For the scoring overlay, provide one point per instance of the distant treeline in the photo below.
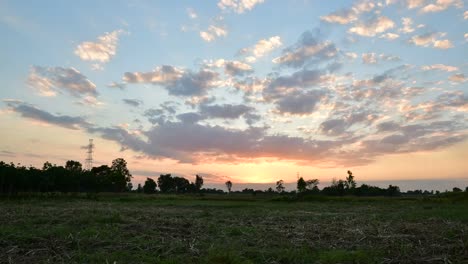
(117, 178)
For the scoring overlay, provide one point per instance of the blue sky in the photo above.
(264, 88)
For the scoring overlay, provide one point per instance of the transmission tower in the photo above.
(89, 159)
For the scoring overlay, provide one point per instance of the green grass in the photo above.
(133, 228)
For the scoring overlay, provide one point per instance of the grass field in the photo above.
(232, 229)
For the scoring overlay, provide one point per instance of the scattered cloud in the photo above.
(372, 27)
(31, 112)
(431, 39)
(238, 6)
(407, 25)
(213, 32)
(309, 49)
(373, 58)
(441, 67)
(389, 36)
(262, 48)
(232, 68)
(191, 13)
(176, 81)
(101, 51)
(458, 78)
(50, 80)
(133, 102)
(441, 5)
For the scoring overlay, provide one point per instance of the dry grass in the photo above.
(155, 229)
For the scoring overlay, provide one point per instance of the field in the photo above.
(136, 228)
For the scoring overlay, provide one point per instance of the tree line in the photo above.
(69, 178)
(117, 178)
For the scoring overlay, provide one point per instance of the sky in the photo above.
(251, 91)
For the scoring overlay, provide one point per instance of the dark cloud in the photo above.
(226, 111)
(49, 80)
(299, 103)
(34, 113)
(176, 81)
(133, 102)
(309, 49)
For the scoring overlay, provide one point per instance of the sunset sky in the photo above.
(251, 91)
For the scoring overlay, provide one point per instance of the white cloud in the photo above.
(191, 13)
(369, 58)
(441, 67)
(407, 25)
(389, 36)
(261, 48)
(466, 36)
(342, 17)
(238, 6)
(414, 3)
(351, 55)
(443, 44)
(100, 51)
(458, 78)
(465, 15)
(441, 5)
(372, 27)
(428, 39)
(213, 32)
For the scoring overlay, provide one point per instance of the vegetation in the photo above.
(235, 228)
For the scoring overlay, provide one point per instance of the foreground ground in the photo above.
(232, 229)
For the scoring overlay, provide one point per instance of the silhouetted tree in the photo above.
(393, 190)
(456, 189)
(350, 183)
(301, 185)
(280, 186)
(312, 185)
(139, 188)
(120, 175)
(165, 183)
(150, 186)
(229, 186)
(198, 183)
(129, 187)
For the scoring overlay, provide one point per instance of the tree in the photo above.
(139, 188)
(73, 166)
(120, 175)
(301, 185)
(312, 185)
(456, 189)
(393, 190)
(129, 187)
(150, 186)
(229, 186)
(165, 183)
(280, 186)
(350, 183)
(198, 183)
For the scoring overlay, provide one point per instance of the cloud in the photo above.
(307, 50)
(191, 13)
(50, 80)
(343, 17)
(349, 15)
(389, 36)
(101, 51)
(213, 32)
(333, 127)
(232, 68)
(465, 15)
(36, 114)
(407, 25)
(262, 48)
(372, 27)
(458, 78)
(299, 103)
(373, 58)
(440, 67)
(225, 111)
(441, 5)
(428, 39)
(133, 102)
(238, 6)
(176, 81)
